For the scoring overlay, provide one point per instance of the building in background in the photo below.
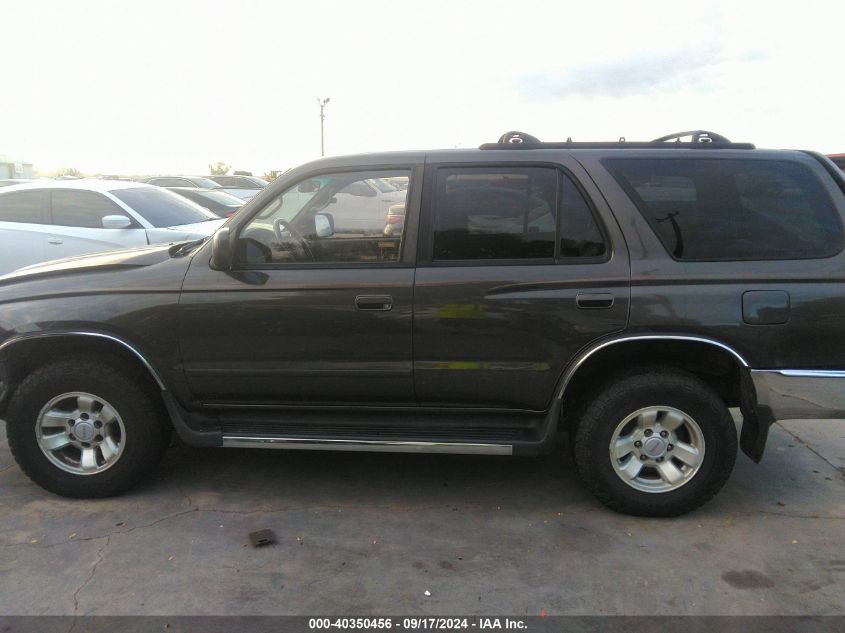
(10, 168)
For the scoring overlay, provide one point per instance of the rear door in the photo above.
(521, 266)
(24, 221)
(77, 225)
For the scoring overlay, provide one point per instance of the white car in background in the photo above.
(46, 220)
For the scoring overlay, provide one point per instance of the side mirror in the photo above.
(221, 249)
(324, 225)
(116, 222)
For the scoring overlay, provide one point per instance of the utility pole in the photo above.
(322, 103)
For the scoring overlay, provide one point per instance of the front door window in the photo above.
(352, 217)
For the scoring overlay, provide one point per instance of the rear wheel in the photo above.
(659, 442)
(85, 428)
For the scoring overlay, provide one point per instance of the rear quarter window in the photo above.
(711, 209)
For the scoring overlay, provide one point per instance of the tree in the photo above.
(219, 169)
(270, 176)
(69, 172)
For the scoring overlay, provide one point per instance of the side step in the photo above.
(400, 431)
(374, 446)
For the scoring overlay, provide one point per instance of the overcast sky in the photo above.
(166, 87)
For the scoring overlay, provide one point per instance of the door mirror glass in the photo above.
(116, 222)
(323, 225)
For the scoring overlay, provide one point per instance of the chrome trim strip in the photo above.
(144, 361)
(810, 373)
(801, 394)
(574, 367)
(378, 446)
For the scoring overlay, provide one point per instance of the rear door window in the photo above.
(82, 208)
(30, 207)
(706, 209)
(511, 213)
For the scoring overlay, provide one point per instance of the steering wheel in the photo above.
(280, 225)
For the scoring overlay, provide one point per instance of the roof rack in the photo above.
(698, 139)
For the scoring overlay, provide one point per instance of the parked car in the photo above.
(367, 203)
(244, 187)
(626, 294)
(8, 182)
(395, 220)
(45, 220)
(217, 201)
(202, 182)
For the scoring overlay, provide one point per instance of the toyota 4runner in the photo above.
(627, 294)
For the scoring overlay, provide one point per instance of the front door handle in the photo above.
(588, 301)
(55, 240)
(374, 302)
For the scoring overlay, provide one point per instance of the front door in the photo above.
(314, 312)
(521, 266)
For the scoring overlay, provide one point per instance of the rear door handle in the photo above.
(374, 302)
(589, 301)
(55, 240)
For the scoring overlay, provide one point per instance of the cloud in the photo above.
(634, 75)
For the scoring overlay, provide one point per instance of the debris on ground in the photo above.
(260, 538)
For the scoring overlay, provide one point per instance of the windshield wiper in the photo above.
(184, 248)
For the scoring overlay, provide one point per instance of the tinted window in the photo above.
(170, 182)
(227, 181)
(333, 218)
(732, 209)
(162, 208)
(579, 234)
(82, 208)
(495, 213)
(197, 181)
(218, 202)
(24, 206)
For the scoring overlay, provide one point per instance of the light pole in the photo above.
(322, 103)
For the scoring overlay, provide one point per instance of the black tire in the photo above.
(147, 435)
(631, 392)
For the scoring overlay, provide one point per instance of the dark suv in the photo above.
(627, 294)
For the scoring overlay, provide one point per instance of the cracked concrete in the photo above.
(371, 533)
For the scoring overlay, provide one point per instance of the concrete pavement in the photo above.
(372, 533)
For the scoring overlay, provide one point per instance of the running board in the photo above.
(376, 446)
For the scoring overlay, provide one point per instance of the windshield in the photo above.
(221, 197)
(162, 208)
(205, 183)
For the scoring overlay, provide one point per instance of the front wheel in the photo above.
(659, 442)
(85, 428)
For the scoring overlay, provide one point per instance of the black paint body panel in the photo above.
(456, 336)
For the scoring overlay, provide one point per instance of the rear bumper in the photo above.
(800, 394)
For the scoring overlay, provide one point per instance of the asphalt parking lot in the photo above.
(372, 533)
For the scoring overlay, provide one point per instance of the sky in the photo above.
(169, 87)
